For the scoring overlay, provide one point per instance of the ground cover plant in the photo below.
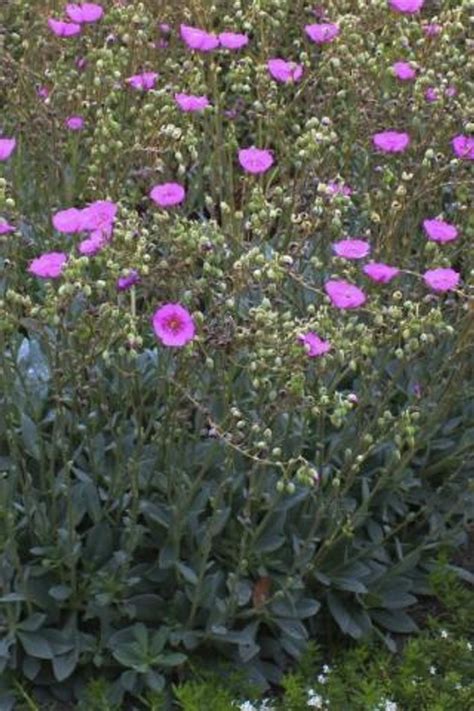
(236, 322)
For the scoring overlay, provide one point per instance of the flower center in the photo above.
(174, 324)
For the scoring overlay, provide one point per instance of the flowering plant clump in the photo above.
(236, 383)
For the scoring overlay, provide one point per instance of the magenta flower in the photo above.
(173, 325)
(344, 295)
(68, 221)
(314, 345)
(404, 71)
(450, 91)
(99, 215)
(7, 146)
(352, 248)
(95, 242)
(463, 147)
(127, 281)
(409, 7)
(233, 40)
(441, 279)
(6, 228)
(440, 231)
(191, 103)
(379, 272)
(75, 123)
(255, 160)
(49, 266)
(84, 12)
(432, 29)
(431, 94)
(168, 194)
(63, 29)
(391, 141)
(283, 71)
(144, 81)
(197, 39)
(323, 32)
(42, 92)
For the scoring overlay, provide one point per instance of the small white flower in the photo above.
(326, 669)
(247, 706)
(432, 670)
(469, 647)
(315, 701)
(322, 679)
(444, 634)
(390, 706)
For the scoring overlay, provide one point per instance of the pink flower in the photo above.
(283, 71)
(344, 295)
(126, 282)
(391, 141)
(463, 147)
(352, 248)
(323, 32)
(431, 94)
(409, 7)
(233, 40)
(255, 160)
(431, 29)
(450, 91)
(63, 29)
(99, 215)
(168, 194)
(42, 92)
(6, 228)
(84, 12)
(441, 279)
(197, 39)
(68, 221)
(314, 345)
(7, 146)
(336, 187)
(379, 272)
(95, 242)
(174, 325)
(49, 266)
(190, 102)
(144, 81)
(404, 71)
(75, 123)
(440, 231)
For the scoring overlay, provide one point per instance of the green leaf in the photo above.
(64, 665)
(172, 660)
(394, 621)
(343, 616)
(60, 592)
(35, 645)
(188, 573)
(29, 434)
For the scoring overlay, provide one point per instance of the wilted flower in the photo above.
(84, 12)
(406, 6)
(49, 266)
(336, 187)
(7, 146)
(344, 295)
(441, 279)
(463, 147)
(380, 272)
(75, 123)
(404, 71)
(440, 231)
(6, 228)
(431, 94)
(314, 345)
(391, 141)
(283, 71)
(127, 281)
(173, 325)
(144, 81)
(63, 29)
(197, 39)
(255, 160)
(450, 91)
(42, 92)
(168, 194)
(191, 103)
(352, 248)
(323, 32)
(233, 40)
(432, 29)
